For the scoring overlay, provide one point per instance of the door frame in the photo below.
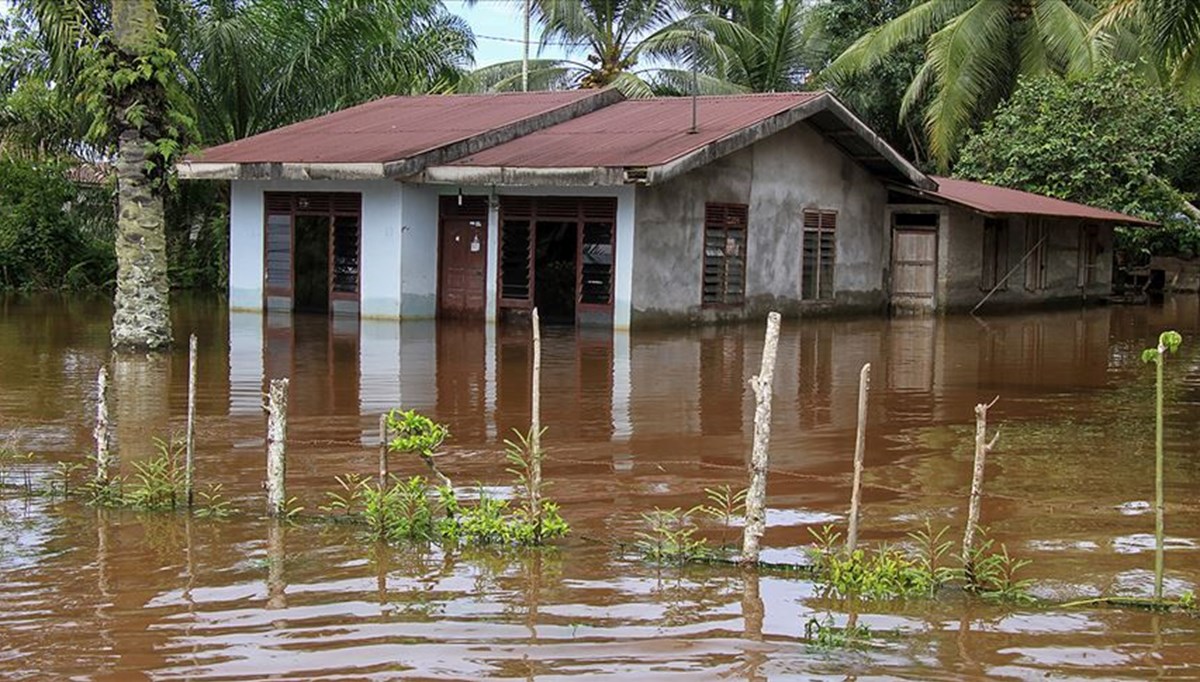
(472, 207)
(933, 230)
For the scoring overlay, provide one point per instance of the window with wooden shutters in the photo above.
(819, 249)
(1035, 262)
(995, 255)
(724, 254)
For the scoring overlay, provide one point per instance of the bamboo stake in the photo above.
(105, 459)
(535, 426)
(756, 496)
(383, 451)
(277, 399)
(982, 448)
(860, 439)
(190, 452)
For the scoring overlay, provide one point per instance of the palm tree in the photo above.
(772, 52)
(975, 50)
(1168, 31)
(633, 45)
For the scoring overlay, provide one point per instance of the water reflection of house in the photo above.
(626, 213)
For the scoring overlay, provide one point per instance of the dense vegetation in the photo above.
(979, 88)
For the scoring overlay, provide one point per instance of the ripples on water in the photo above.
(635, 422)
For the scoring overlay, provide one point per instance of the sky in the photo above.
(497, 25)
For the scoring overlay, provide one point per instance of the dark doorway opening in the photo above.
(555, 271)
(312, 263)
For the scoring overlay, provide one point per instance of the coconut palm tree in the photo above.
(975, 50)
(1167, 31)
(774, 49)
(634, 45)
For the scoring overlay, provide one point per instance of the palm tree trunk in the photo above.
(141, 318)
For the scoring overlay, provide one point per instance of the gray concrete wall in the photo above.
(961, 260)
(778, 178)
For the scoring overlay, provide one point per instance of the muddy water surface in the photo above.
(635, 422)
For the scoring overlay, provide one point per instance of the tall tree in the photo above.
(134, 97)
(637, 46)
(974, 52)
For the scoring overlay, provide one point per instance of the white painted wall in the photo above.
(419, 256)
(381, 220)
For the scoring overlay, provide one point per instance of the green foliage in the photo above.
(993, 574)
(1187, 602)
(1111, 140)
(62, 476)
(537, 519)
(53, 233)
(1168, 342)
(212, 503)
(885, 572)
(158, 482)
(415, 433)
(668, 538)
(824, 634)
(725, 508)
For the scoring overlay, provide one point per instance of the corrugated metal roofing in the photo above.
(643, 132)
(1003, 200)
(389, 129)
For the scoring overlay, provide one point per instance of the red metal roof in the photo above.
(389, 129)
(1003, 200)
(642, 132)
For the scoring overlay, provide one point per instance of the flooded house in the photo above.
(605, 211)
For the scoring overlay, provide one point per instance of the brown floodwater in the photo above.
(635, 422)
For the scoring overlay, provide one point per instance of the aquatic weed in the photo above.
(994, 573)
(825, 634)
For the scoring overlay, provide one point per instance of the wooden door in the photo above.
(462, 282)
(914, 269)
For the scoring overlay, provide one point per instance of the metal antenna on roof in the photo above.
(525, 53)
(695, 77)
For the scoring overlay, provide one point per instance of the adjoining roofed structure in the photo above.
(994, 200)
(390, 137)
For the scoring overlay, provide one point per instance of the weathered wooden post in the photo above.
(756, 496)
(190, 435)
(105, 460)
(860, 439)
(535, 426)
(277, 398)
(982, 448)
(383, 451)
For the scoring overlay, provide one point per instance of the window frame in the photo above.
(719, 215)
(822, 228)
(996, 235)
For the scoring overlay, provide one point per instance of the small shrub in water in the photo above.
(994, 573)
(726, 506)
(212, 504)
(158, 482)
(882, 573)
(415, 433)
(668, 538)
(537, 519)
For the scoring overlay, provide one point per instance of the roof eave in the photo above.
(199, 170)
(992, 213)
(597, 176)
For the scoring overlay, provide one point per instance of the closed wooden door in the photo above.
(277, 269)
(914, 269)
(462, 285)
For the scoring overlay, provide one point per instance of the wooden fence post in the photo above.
(982, 448)
(105, 459)
(189, 462)
(383, 451)
(860, 439)
(756, 497)
(277, 399)
(535, 425)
